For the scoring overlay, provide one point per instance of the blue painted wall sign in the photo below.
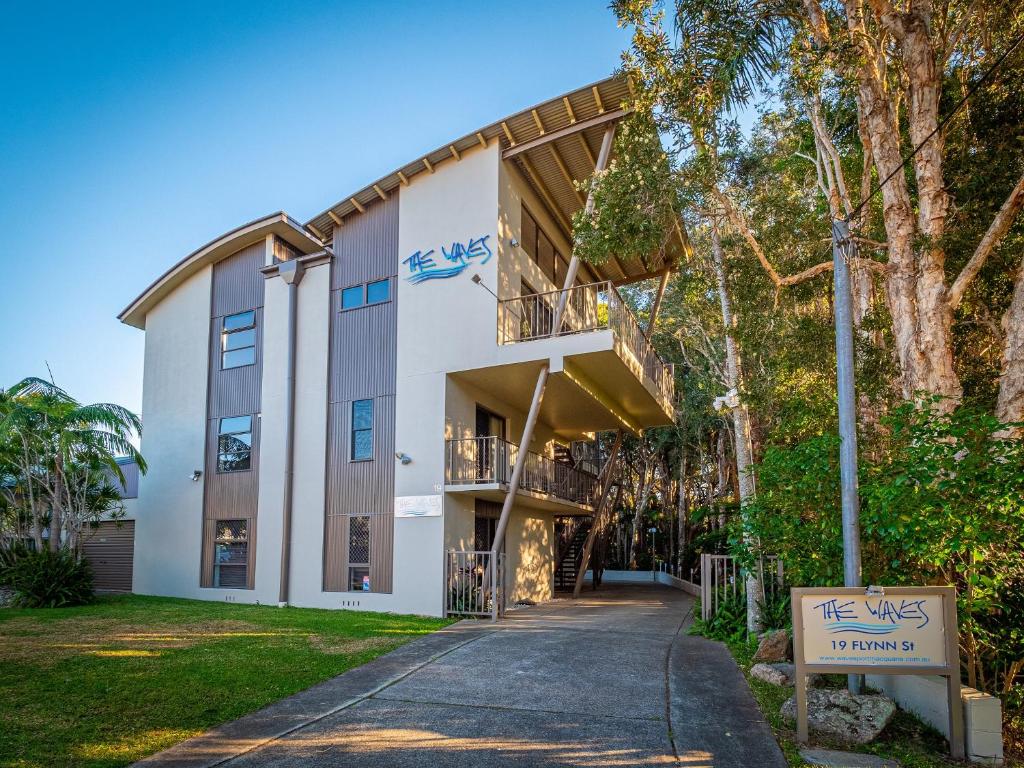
(423, 265)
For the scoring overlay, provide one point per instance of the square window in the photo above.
(240, 339)
(378, 291)
(236, 358)
(240, 321)
(352, 297)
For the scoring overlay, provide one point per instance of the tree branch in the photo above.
(737, 220)
(993, 236)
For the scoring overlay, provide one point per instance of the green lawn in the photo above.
(108, 683)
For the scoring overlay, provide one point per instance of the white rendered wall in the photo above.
(168, 535)
(443, 325)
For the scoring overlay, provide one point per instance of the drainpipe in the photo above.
(291, 272)
(542, 380)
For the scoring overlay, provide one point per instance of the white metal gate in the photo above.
(721, 579)
(473, 586)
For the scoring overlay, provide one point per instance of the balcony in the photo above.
(588, 308)
(483, 466)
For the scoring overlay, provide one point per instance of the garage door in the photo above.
(109, 550)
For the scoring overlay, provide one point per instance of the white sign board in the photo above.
(883, 630)
(418, 506)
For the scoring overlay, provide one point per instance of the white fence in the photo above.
(473, 586)
(721, 579)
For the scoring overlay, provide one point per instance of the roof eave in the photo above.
(280, 224)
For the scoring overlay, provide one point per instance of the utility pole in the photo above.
(842, 253)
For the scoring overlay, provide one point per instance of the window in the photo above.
(378, 291)
(352, 297)
(362, 430)
(234, 444)
(231, 554)
(374, 292)
(538, 245)
(359, 554)
(238, 340)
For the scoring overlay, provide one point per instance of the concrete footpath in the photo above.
(611, 679)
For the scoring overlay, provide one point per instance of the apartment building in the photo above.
(335, 410)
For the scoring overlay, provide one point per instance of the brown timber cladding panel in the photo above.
(110, 550)
(237, 281)
(366, 248)
(363, 351)
(234, 391)
(362, 366)
(237, 287)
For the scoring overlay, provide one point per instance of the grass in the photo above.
(106, 684)
(906, 739)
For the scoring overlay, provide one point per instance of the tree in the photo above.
(59, 458)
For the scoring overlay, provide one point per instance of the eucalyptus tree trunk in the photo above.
(641, 505)
(741, 424)
(1010, 405)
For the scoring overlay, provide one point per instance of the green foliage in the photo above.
(634, 199)
(775, 610)
(942, 503)
(729, 622)
(48, 579)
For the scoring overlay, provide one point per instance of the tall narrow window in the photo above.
(359, 554)
(238, 340)
(362, 430)
(234, 444)
(231, 554)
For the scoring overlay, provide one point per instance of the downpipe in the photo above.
(291, 272)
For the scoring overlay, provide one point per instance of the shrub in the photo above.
(48, 579)
(775, 610)
(729, 623)
(9, 556)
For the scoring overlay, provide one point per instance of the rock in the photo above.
(776, 674)
(840, 715)
(774, 646)
(781, 673)
(845, 759)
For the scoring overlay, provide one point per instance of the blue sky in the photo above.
(132, 134)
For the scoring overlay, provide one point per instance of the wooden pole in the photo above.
(542, 377)
(605, 485)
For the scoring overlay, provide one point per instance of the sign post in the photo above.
(890, 630)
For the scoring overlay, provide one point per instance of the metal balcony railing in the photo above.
(591, 307)
(483, 460)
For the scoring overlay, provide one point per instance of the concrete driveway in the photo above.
(608, 680)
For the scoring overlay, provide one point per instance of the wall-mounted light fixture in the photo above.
(479, 281)
(196, 474)
(514, 243)
(403, 457)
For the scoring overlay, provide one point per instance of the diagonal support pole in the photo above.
(542, 379)
(604, 486)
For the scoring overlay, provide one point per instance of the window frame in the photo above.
(219, 540)
(364, 294)
(220, 434)
(352, 565)
(353, 430)
(226, 333)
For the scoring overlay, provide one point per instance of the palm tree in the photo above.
(59, 443)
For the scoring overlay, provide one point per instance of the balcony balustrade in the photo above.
(489, 460)
(591, 307)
